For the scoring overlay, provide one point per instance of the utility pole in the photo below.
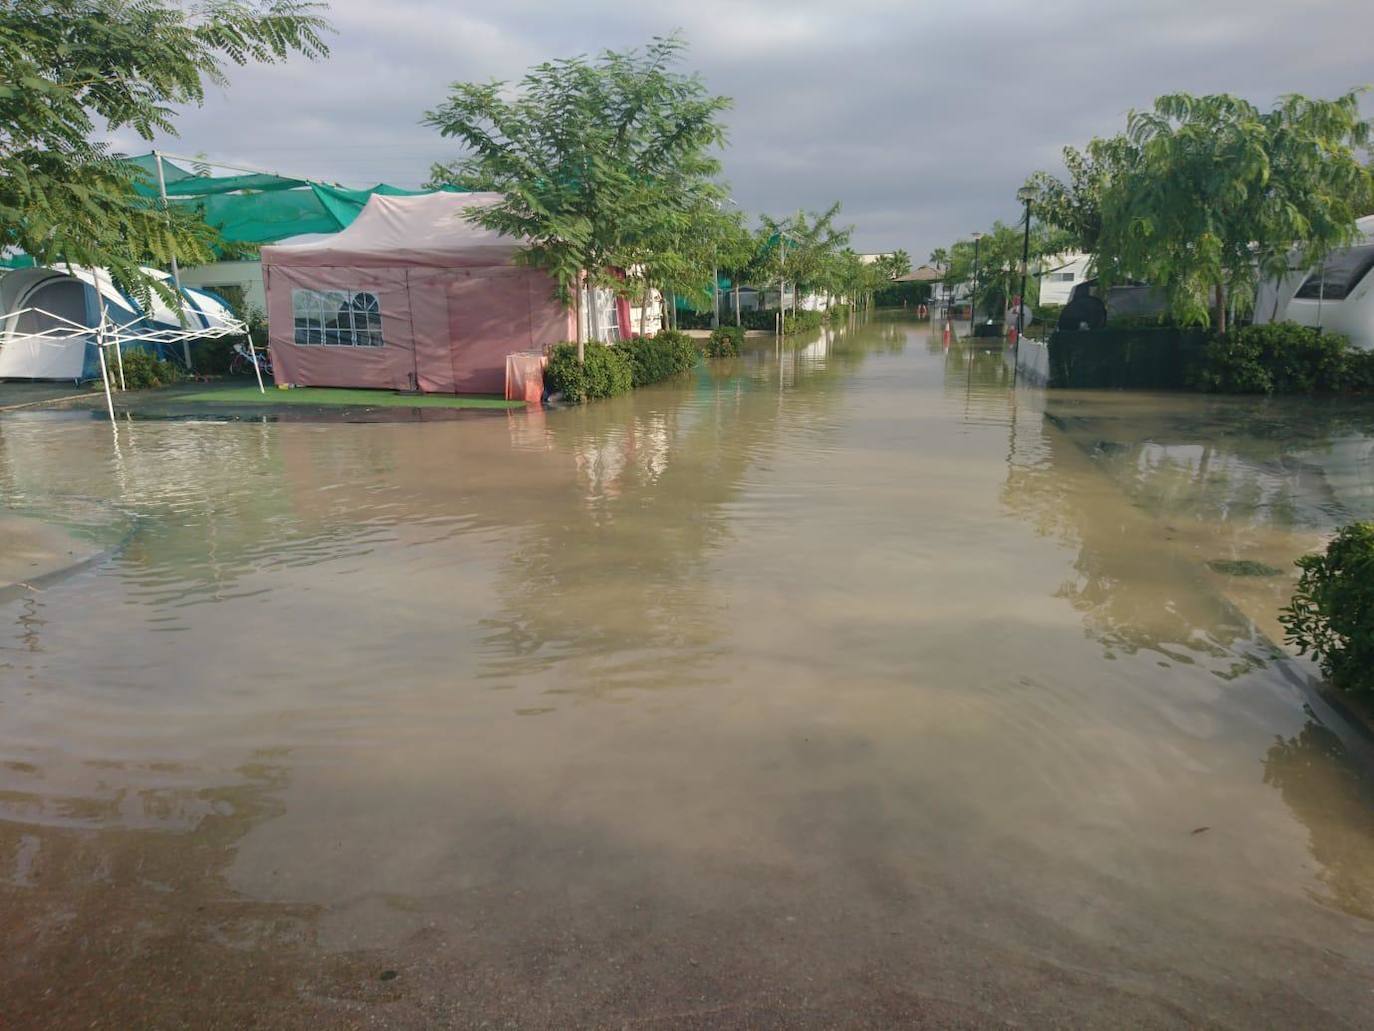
(782, 280)
(973, 297)
(1025, 260)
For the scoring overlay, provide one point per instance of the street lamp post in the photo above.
(973, 297)
(1026, 198)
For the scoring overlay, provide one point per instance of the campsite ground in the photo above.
(17, 396)
(238, 398)
(35, 552)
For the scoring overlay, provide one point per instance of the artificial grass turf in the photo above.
(342, 396)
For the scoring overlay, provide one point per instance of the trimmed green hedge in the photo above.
(617, 369)
(658, 357)
(605, 373)
(1280, 358)
(1332, 612)
(760, 318)
(688, 319)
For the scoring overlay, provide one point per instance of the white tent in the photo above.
(49, 319)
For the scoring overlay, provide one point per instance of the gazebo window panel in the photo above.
(337, 318)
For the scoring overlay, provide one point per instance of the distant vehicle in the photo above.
(1088, 310)
(1338, 297)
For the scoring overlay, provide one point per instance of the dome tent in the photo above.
(49, 318)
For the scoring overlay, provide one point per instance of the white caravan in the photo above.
(1338, 297)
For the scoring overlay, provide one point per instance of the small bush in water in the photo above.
(605, 373)
(658, 357)
(1281, 358)
(142, 371)
(1332, 612)
(725, 342)
(802, 321)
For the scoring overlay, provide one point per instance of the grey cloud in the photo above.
(922, 119)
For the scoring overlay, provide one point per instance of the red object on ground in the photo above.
(525, 377)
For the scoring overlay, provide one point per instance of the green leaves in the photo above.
(1203, 195)
(70, 67)
(601, 163)
(1332, 611)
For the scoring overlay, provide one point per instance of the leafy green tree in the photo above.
(893, 264)
(1203, 195)
(740, 254)
(801, 248)
(70, 68)
(595, 159)
(1074, 205)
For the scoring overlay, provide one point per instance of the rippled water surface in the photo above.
(846, 686)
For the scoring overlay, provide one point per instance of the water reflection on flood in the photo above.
(839, 682)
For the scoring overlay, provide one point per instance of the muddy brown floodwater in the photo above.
(850, 688)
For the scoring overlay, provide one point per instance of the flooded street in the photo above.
(850, 688)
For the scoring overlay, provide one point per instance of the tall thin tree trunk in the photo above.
(644, 309)
(737, 318)
(1221, 308)
(577, 308)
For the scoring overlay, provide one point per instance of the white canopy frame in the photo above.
(110, 334)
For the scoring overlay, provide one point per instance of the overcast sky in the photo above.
(921, 118)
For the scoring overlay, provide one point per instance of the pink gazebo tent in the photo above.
(410, 296)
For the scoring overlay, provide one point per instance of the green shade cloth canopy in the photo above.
(259, 207)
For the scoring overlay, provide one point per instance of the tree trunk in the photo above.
(644, 309)
(737, 318)
(1221, 308)
(577, 308)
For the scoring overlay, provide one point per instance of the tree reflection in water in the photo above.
(1334, 797)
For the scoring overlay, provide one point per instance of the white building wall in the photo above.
(1062, 273)
(243, 276)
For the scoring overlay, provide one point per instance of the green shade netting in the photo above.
(261, 208)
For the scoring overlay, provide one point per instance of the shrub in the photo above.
(143, 370)
(658, 357)
(1332, 611)
(760, 318)
(211, 356)
(688, 319)
(605, 372)
(1048, 315)
(801, 322)
(1359, 370)
(725, 342)
(1138, 321)
(1277, 358)
(838, 312)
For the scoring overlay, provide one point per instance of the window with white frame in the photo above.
(337, 318)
